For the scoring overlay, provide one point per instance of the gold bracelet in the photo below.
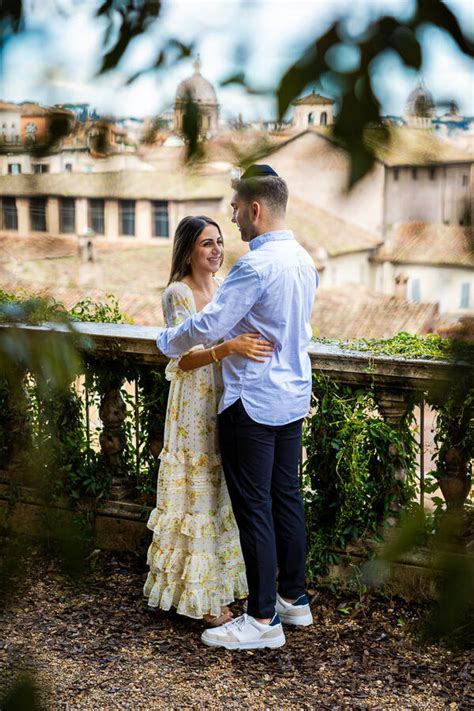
(213, 354)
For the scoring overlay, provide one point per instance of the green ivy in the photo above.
(408, 345)
(350, 480)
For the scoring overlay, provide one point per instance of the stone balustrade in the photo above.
(396, 382)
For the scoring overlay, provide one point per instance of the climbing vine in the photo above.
(351, 472)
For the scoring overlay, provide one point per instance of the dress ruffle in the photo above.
(193, 525)
(166, 591)
(189, 458)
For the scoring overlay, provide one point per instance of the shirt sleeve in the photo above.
(234, 299)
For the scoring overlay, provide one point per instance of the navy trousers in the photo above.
(261, 468)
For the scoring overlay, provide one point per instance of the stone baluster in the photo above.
(455, 459)
(393, 404)
(155, 411)
(112, 413)
(19, 443)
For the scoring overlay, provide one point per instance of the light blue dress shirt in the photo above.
(269, 290)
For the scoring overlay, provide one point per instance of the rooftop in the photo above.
(312, 99)
(353, 311)
(423, 243)
(404, 146)
(317, 229)
(127, 185)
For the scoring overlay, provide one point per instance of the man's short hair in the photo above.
(270, 189)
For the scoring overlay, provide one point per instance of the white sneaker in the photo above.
(294, 613)
(245, 633)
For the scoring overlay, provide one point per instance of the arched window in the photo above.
(310, 119)
(324, 119)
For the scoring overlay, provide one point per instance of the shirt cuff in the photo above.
(161, 340)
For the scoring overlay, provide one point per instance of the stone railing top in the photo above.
(339, 363)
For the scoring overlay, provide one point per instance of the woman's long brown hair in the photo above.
(185, 238)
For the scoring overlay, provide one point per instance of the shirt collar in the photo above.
(273, 236)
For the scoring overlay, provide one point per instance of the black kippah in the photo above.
(258, 171)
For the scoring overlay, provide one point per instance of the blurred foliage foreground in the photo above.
(323, 62)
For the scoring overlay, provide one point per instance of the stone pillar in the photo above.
(52, 215)
(143, 219)
(394, 404)
(82, 215)
(111, 218)
(112, 440)
(23, 212)
(15, 414)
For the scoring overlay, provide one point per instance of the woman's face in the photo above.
(208, 251)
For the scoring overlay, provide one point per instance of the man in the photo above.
(270, 290)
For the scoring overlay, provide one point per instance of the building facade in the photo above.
(113, 205)
(415, 177)
(10, 125)
(312, 110)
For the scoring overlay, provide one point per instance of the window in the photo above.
(324, 119)
(465, 180)
(396, 174)
(9, 215)
(432, 173)
(38, 214)
(67, 215)
(414, 173)
(68, 167)
(465, 301)
(415, 291)
(40, 168)
(127, 217)
(96, 216)
(14, 168)
(160, 219)
(310, 119)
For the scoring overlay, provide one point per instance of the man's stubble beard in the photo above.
(248, 233)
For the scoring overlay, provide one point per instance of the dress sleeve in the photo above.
(176, 309)
(176, 305)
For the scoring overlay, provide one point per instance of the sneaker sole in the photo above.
(257, 644)
(297, 621)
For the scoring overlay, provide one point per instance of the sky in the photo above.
(56, 60)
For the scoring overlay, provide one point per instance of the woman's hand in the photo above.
(252, 346)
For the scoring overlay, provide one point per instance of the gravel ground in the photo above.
(97, 646)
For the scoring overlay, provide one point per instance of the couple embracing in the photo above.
(240, 387)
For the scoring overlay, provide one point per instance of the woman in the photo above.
(195, 559)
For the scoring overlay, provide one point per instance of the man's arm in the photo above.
(239, 292)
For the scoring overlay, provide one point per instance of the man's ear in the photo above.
(256, 210)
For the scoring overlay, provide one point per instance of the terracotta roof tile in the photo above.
(406, 146)
(128, 185)
(353, 311)
(423, 243)
(316, 228)
(312, 99)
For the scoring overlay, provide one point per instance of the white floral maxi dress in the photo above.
(195, 558)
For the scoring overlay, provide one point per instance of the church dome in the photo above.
(420, 102)
(199, 89)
